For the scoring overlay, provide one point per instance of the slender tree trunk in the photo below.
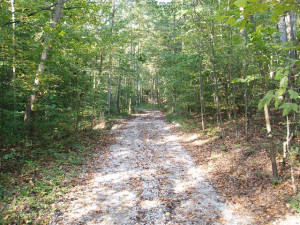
(245, 73)
(291, 25)
(2, 91)
(269, 130)
(246, 111)
(271, 143)
(213, 61)
(77, 105)
(119, 93)
(126, 92)
(157, 93)
(202, 103)
(287, 32)
(151, 93)
(32, 100)
(201, 88)
(154, 88)
(12, 2)
(289, 137)
(129, 104)
(111, 59)
(137, 77)
(109, 84)
(141, 95)
(231, 86)
(95, 86)
(282, 29)
(101, 63)
(137, 91)
(140, 92)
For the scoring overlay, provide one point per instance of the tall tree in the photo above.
(41, 68)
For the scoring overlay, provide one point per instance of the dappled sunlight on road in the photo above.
(147, 178)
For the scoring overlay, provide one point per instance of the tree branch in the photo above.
(48, 8)
(30, 14)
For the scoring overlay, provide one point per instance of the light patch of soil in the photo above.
(146, 177)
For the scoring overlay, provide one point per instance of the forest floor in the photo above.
(154, 172)
(241, 170)
(146, 177)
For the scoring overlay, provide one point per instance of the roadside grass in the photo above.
(147, 106)
(185, 122)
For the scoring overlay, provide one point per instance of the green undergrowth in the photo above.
(294, 202)
(147, 106)
(187, 122)
(192, 123)
(32, 178)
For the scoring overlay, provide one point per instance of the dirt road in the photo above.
(147, 178)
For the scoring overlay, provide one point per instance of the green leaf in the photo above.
(259, 28)
(277, 102)
(7, 156)
(237, 80)
(288, 107)
(279, 92)
(295, 107)
(241, 3)
(261, 104)
(293, 94)
(285, 105)
(278, 96)
(279, 74)
(286, 111)
(266, 100)
(269, 96)
(220, 18)
(283, 82)
(230, 20)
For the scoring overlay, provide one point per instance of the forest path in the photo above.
(147, 178)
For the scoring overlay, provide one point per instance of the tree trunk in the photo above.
(246, 111)
(111, 59)
(202, 103)
(151, 93)
(137, 91)
(109, 85)
(32, 100)
(231, 86)
(289, 137)
(201, 88)
(12, 2)
(271, 143)
(213, 61)
(157, 93)
(245, 73)
(129, 104)
(119, 94)
(282, 29)
(141, 95)
(287, 32)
